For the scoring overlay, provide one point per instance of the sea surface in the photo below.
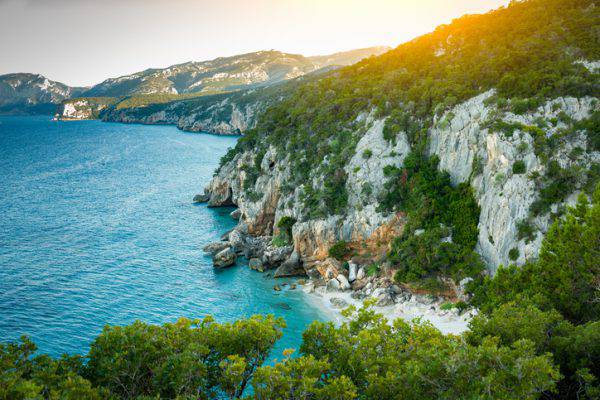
(97, 227)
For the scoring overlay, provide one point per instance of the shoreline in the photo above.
(446, 321)
(330, 287)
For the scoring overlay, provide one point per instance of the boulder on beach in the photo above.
(224, 258)
(352, 272)
(344, 284)
(333, 285)
(337, 302)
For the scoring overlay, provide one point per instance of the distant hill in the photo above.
(23, 93)
(225, 73)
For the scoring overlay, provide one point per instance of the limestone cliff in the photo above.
(468, 147)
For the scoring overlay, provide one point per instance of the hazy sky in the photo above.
(82, 42)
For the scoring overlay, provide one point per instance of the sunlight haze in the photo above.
(84, 42)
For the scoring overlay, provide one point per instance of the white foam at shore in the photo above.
(446, 322)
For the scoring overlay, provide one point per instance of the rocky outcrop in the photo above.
(225, 114)
(83, 108)
(468, 149)
(463, 141)
(224, 258)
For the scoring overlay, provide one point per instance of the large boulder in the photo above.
(237, 240)
(274, 256)
(329, 268)
(333, 285)
(256, 246)
(224, 258)
(352, 272)
(215, 247)
(201, 198)
(236, 214)
(344, 284)
(290, 267)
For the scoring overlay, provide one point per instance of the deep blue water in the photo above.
(97, 227)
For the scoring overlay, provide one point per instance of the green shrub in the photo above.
(525, 230)
(519, 167)
(340, 250)
(280, 241)
(372, 269)
(513, 254)
(368, 153)
(286, 224)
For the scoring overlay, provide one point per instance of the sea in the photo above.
(97, 227)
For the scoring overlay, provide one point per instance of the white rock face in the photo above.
(373, 153)
(504, 197)
(460, 139)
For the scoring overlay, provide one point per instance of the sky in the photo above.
(83, 42)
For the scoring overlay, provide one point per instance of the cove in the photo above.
(98, 228)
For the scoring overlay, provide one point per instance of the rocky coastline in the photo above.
(468, 147)
(334, 286)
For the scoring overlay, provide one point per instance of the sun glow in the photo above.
(116, 38)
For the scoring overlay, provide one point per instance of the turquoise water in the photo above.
(98, 228)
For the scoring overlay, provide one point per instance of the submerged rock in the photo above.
(284, 306)
(224, 258)
(256, 264)
(236, 214)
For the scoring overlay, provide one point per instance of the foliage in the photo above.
(302, 378)
(556, 185)
(25, 376)
(429, 254)
(552, 302)
(188, 358)
(340, 250)
(286, 224)
(566, 275)
(519, 167)
(430, 200)
(372, 269)
(513, 254)
(525, 230)
(403, 361)
(280, 240)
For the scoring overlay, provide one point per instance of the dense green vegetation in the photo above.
(538, 336)
(553, 302)
(364, 358)
(441, 232)
(507, 49)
